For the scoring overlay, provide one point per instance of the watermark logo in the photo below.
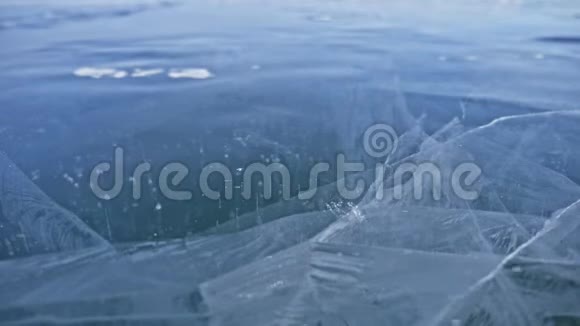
(379, 142)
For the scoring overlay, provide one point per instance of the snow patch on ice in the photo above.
(194, 73)
(139, 73)
(95, 72)
(120, 74)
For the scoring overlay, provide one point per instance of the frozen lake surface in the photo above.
(494, 82)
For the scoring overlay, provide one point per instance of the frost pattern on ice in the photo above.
(511, 257)
(515, 261)
(50, 225)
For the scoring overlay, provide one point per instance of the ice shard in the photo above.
(52, 227)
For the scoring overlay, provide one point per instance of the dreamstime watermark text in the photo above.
(379, 142)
